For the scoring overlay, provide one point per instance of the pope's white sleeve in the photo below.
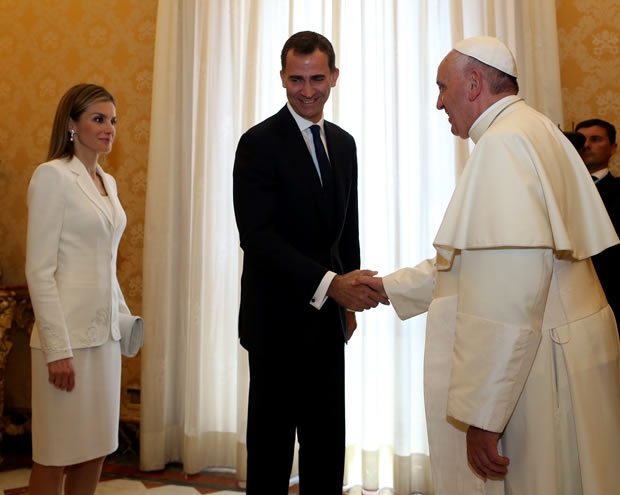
(502, 295)
(410, 290)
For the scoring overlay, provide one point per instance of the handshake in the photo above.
(358, 290)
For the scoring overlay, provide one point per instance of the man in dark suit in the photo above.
(600, 145)
(296, 212)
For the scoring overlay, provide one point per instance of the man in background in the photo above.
(600, 145)
(295, 199)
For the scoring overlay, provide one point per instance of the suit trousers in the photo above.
(296, 392)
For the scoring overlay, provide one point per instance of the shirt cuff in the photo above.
(320, 295)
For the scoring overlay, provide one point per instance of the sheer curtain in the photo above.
(216, 74)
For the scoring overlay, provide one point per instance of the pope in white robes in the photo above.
(522, 370)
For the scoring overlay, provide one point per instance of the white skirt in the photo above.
(73, 427)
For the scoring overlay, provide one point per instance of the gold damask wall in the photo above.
(46, 46)
(589, 36)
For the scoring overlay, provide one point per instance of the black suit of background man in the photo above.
(295, 238)
(599, 146)
(607, 263)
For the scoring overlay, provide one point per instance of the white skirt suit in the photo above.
(73, 238)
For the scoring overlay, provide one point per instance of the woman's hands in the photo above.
(61, 374)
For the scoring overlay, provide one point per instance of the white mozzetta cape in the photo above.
(520, 338)
(524, 185)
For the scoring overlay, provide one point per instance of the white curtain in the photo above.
(216, 73)
(191, 269)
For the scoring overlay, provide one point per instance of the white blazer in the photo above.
(73, 239)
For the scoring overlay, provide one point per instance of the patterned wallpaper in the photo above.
(589, 37)
(46, 46)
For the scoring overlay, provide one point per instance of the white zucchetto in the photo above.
(490, 51)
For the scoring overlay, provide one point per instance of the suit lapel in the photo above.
(298, 148)
(332, 215)
(88, 188)
(110, 187)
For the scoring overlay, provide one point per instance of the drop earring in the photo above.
(71, 134)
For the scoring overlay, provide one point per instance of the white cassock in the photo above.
(520, 337)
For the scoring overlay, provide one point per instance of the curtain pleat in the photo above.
(190, 368)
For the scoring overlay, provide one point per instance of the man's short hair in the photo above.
(305, 43)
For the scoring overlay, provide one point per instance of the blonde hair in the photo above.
(71, 106)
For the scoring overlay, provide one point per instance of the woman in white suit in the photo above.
(75, 222)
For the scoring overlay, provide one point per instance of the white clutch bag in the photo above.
(132, 334)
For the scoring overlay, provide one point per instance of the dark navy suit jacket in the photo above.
(290, 236)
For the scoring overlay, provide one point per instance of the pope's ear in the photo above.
(474, 84)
